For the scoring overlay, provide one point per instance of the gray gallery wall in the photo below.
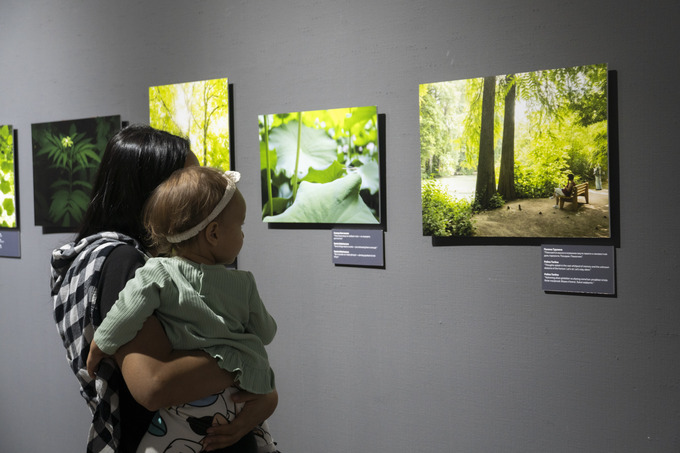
(446, 349)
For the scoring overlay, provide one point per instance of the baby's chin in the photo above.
(229, 262)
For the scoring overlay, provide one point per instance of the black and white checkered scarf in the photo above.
(76, 269)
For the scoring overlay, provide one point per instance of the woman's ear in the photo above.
(212, 233)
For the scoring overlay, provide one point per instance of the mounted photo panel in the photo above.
(322, 168)
(516, 158)
(199, 111)
(66, 156)
(8, 178)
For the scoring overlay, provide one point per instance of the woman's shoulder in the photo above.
(120, 265)
(124, 259)
(126, 254)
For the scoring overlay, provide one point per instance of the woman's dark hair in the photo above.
(136, 160)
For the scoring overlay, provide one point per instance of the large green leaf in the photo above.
(333, 202)
(370, 176)
(278, 206)
(317, 149)
(333, 172)
(60, 202)
(80, 201)
(68, 204)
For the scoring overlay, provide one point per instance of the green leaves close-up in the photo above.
(321, 166)
(66, 155)
(7, 178)
(317, 150)
(334, 202)
(70, 154)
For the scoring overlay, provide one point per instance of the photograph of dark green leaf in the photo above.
(66, 155)
(8, 201)
(198, 111)
(321, 167)
(522, 155)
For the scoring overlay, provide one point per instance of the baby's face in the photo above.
(230, 229)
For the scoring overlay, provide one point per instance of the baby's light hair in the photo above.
(179, 203)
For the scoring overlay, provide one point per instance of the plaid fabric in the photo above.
(76, 270)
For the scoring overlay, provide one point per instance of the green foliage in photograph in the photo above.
(519, 135)
(338, 200)
(442, 214)
(449, 144)
(70, 154)
(7, 185)
(495, 202)
(537, 183)
(66, 156)
(198, 111)
(321, 166)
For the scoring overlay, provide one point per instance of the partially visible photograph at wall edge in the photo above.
(199, 111)
(66, 157)
(8, 177)
(522, 155)
(321, 167)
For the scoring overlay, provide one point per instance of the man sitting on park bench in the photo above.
(565, 191)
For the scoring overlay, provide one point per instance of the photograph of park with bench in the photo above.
(521, 155)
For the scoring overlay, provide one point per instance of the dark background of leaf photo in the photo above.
(66, 155)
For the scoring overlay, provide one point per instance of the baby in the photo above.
(200, 302)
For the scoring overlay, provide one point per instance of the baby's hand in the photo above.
(96, 355)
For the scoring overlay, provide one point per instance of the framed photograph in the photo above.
(8, 180)
(518, 158)
(199, 111)
(66, 155)
(322, 168)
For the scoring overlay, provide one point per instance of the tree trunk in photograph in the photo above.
(486, 181)
(506, 178)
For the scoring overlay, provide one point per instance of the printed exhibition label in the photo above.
(9, 244)
(359, 247)
(578, 269)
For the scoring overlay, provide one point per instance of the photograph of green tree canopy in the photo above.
(66, 155)
(321, 167)
(522, 155)
(8, 200)
(198, 111)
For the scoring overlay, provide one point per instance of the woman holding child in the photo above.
(87, 276)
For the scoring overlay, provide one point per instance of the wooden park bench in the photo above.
(580, 190)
